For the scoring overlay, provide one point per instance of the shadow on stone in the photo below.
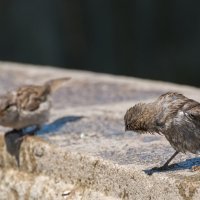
(187, 164)
(13, 140)
(58, 124)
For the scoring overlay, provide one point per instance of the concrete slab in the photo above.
(84, 148)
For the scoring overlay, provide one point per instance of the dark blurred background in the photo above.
(150, 39)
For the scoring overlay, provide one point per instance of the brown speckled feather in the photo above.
(28, 105)
(173, 115)
(30, 97)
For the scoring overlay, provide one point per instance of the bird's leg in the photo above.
(23, 133)
(165, 166)
(31, 130)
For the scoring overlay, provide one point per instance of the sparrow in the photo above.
(172, 115)
(28, 105)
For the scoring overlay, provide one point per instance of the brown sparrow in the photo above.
(173, 115)
(28, 105)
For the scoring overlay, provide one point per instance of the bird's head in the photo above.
(8, 111)
(4, 105)
(133, 118)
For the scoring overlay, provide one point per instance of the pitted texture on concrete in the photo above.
(87, 149)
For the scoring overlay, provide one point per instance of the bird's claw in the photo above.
(162, 168)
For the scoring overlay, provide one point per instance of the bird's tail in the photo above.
(55, 84)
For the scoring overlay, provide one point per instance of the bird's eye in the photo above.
(6, 107)
(192, 116)
(128, 126)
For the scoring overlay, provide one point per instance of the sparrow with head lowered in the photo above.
(172, 115)
(28, 105)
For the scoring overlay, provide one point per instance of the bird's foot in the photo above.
(27, 131)
(31, 130)
(156, 169)
(165, 167)
(162, 168)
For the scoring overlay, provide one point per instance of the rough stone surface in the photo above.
(83, 152)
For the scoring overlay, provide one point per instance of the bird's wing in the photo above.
(187, 129)
(168, 106)
(30, 97)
